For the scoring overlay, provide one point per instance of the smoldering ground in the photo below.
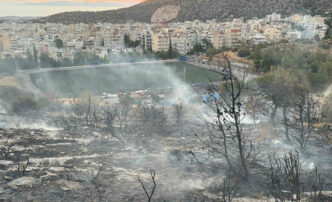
(84, 160)
(76, 156)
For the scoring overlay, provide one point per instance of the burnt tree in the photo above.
(225, 136)
(305, 116)
(149, 195)
(110, 113)
(284, 182)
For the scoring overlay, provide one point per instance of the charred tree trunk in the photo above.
(236, 113)
(88, 111)
(286, 124)
(273, 114)
(226, 136)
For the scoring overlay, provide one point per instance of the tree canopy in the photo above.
(315, 64)
(59, 43)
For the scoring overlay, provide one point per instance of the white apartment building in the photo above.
(258, 39)
(179, 42)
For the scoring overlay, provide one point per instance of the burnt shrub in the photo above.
(20, 102)
(153, 119)
(23, 105)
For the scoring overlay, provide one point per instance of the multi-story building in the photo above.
(103, 38)
(117, 38)
(4, 42)
(146, 41)
(179, 42)
(217, 39)
(274, 17)
(160, 41)
(296, 18)
(273, 33)
(232, 38)
(237, 23)
(258, 39)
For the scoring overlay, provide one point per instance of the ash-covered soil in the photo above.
(89, 164)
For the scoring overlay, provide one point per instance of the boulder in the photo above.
(66, 185)
(4, 165)
(23, 181)
(48, 177)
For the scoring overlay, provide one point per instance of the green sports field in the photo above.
(121, 79)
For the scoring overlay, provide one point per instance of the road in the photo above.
(34, 71)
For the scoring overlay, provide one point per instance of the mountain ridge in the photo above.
(195, 9)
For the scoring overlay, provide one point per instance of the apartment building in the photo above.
(179, 42)
(117, 39)
(4, 42)
(274, 17)
(273, 33)
(146, 40)
(258, 39)
(101, 38)
(232, 38)
(217, 39)
(160, 41)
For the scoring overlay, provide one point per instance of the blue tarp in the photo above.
(183, 59)
(168, 103)
(209, 97)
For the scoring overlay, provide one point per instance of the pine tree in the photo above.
(35, 57)
(170, 49)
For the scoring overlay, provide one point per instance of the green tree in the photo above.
(198, 48)
(28, 63)
(256, 56)
(211, 52)
(269, 58)
(284, 87)
(129, 43)
(47, 62)
(328, 22)
(206, 44)
(170, 49)
(244, 52)
(66, 62)
(35, 56)
(59, 43)
(80, 59)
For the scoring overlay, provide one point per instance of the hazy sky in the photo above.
(49, 7)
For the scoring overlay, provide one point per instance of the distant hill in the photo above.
(195, 9)
(17, 19)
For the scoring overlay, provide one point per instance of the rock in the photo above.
(41, 173)
(165, 13)
(48, 177)
(4, 165)
(69, 185)
(23, 181)
(7, 178)
(70, 163)
(84, 150)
